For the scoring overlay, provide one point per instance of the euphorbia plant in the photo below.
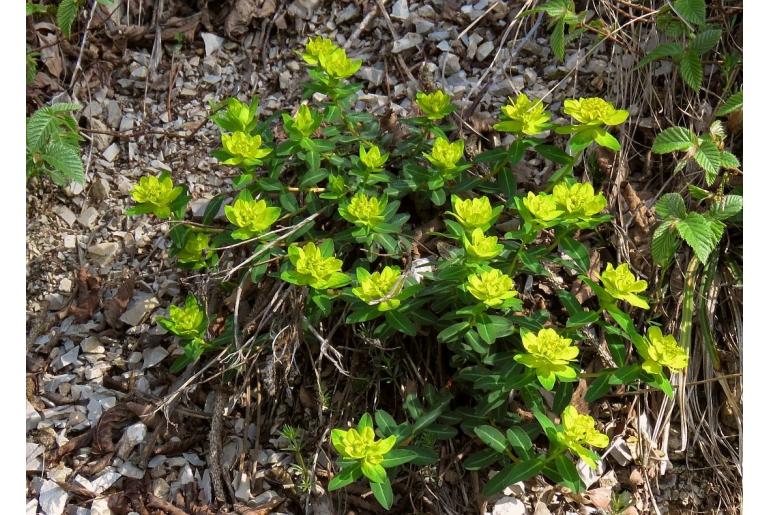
(341, 211)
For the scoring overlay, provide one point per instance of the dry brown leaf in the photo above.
(117, 305)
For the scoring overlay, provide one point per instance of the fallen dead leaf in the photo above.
(115, 306)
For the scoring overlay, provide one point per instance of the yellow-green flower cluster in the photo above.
(244, 149)
(157, 194)
(196, 251)
(241, 114)
(480, 246)
(363, 210)
(305, 122)
(594, 111)
(379, 288)
(188, 321)
(475, 213)
(359, 444)
(445, 155)
(524, 116)
(621, 284)
(573, 202)
(337, 64)
(492, 287)
(577, 432)
(252, 217)
(663, 351)
(549, 355)
(435, 105)
(372, 159)
(316, 47)
(313, 268)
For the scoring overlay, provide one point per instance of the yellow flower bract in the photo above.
(491, 287)
(373, 288)
(579, 431)
(594, 111)
(623, 285)
(663, 351)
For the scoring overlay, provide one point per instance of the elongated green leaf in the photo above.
(346, 476)
(398, 457)
(383, 492)
(709, 157)
(520, 442)
(481, 460)
(598, 388)
(733, 103)
(385, 423)
(568, 473)
(673, 139)
(562, 397)
(492, 437)
(691, 69)
(513, 473)
(400, 322)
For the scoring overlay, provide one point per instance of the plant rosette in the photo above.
(251, 217)
(315, 266)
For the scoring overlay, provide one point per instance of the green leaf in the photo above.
(733, 103)
(520, 442)
(400, 322)
(728, 207)
(562, 396)
(346, 476)
(481, 460)
(66, 163)
(65, 16)
(513, 473)
(557, 40)
(212, 208)
(665, 243)
(397, 457)
(582, 319)
(492, 437)
(577, 251)
(385, 423)
(568, 473)
(673, 139)
(699, 234)
(671, 205)
(673, 50)
(607, 140)
(599, 387)
(704, 41)
(692, 11)
(453, 330)
(729, 161)
(383, 492)
(428, 418)
(51, 123)
(709, 157)
(691, 69)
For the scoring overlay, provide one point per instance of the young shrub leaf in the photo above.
(699, 234)
(673, 50)
(670, 205)
(673, 139)
(704, 41)
(65, 16)
(665, 243)
(691, 69)
(693, 11)
(709, 158)
(733, 103)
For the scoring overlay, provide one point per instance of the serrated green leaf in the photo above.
(709, 157)
(692, 11)
(673, 139)
(65, 16)
(729, 161)
(52, 123)
(704, 41)
(66, 163)
(691, 69)
(728, 207)
(665, 243)
(492, 437)
(700, 234)
(733, 103)
(557, 40)
(673, 50)
(670, 205)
